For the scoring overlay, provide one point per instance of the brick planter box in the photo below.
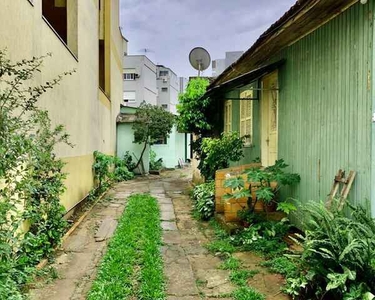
(231, 207)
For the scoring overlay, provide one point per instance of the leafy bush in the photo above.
(204, 196)
(264, 237)
(31, 175)
(270, 179)
(217, 153)
(121, 171)
(193, 111)
(128, 161)
(108, 169)
(338, 259)
(155, 164)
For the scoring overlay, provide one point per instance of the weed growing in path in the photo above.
(247, 293)
(240, 277)
(231, 263)
(132, 266)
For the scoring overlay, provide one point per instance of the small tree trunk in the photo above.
(140, 158)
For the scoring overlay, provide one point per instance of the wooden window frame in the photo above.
(246, 118)
(228, 106)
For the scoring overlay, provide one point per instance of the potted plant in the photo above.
(264, 187)
(270, 181)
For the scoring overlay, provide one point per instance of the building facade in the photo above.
(139, 81)
(168, 88)
(219, 65)
(315, 103)
(82, 36)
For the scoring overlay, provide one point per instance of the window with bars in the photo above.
(228, 116)
(129, 76)
(246, 117)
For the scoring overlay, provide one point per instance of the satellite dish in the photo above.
(200, 59)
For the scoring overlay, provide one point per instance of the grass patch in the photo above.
(281, 265)
(240, 277)
(221, 246)
(132, 266)
(231, 263)
(247, 293)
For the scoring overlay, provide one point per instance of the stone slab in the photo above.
(106, 229)
(168, 225)
(167, 216)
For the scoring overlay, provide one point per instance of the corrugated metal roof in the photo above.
(302, 18)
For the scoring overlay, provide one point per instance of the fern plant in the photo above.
(338, 255)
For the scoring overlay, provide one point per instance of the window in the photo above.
(163, 73)
(228, 116)
(62, 17)
(161, 141)
(214, 64)
(104, 47)
(165, 106)
(246, 116)
(129, 96)
(164, 89)
(129, 76)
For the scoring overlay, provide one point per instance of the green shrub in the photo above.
(338, 259)
(155, 164)
(31, 175)
(265, 237)
(204, 196)
(217, 153)
(128, 161)
(108, 169)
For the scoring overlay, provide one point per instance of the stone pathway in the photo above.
(192, 273)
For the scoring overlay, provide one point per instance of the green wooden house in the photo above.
(304, 92)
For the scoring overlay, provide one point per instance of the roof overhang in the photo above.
(243, 80)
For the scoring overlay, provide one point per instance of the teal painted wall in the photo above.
(174, 149)
(325, 107)
(125, 138)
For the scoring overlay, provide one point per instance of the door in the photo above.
(269, 119)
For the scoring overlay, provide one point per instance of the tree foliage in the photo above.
(31, 176)
(193, 109)
(152, 123)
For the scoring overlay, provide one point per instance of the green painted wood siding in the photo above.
(325, 105)
(251, 152)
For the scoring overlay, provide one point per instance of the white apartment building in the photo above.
(168, 86)
(139, 80)
(219, 65)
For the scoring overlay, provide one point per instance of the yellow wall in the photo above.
(77, 103)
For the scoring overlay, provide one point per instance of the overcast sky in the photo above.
(169, 29)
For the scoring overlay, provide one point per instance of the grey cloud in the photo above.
(172, 27)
